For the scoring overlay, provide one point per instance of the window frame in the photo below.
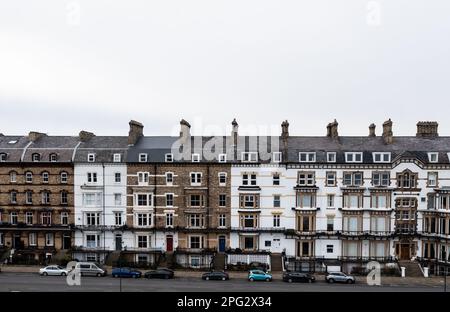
(307, 157)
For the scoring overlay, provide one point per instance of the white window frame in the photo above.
(249, 156)
(167, 201)
(13, 215)
(167, 181)
(32, 239)
(13, 177)
(195, 157)
(222, 158)
(33, 157)
(53, 157)
(169, 219)
(277, 157)
(27, 215)
(49, 239)
(64, 177)
(353, 157)
(117, 199)
(45, 177)
(220, 175)
(276, 220)
(143, 157)
(310, 157)
(382, 156)
(118, 217)
(334, 157)
(3, 157)
(91, 157)
(222, 221)
(29, 175)
(145, 177)
(168, 157)
(430, 155)
(92, 176)
(117, 157)
(147, 241)
(149, 199)
(117, 174)
(196, 175)
(64, 215)
(147, 218)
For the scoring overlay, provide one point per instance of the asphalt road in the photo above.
(32, 282)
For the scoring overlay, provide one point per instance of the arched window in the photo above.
(35, 157)
(53, 157)
(28, 177)
(64, 177)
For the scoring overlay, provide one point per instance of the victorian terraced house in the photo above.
(297, 202)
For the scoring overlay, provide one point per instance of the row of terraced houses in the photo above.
(298, 202)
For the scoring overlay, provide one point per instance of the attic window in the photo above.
(142, 157)
(222, 158)
(249, 157)
(117, 157)
(353, 157)
(433, 157)
(53, 157)
(169, 157)
(91, 157)
(276, 157)
(307, 157)
(195, 157)
(35, 157)
(331, 157)
(3, 157)
(381, 157)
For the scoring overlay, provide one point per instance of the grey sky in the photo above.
(259, 61)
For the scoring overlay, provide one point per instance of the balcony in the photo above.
(259, 229)
(142, 250)
(382, 259)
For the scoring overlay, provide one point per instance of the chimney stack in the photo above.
(234, 128)
(136, 131)
(185, 131)
(85, 135)
(332, 130)
(285, 129)
(33, 136)
(387, 132)
(372, 130)
(427, 129)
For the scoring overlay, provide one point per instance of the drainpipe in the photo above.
(104, 212)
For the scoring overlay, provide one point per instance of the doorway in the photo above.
(222, 243)
(17, 243)
(169, 243)
(118, 241)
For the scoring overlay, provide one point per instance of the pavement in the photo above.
(26, 278)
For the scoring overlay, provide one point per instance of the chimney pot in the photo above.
(332, 129)
(285, 129)
(185, 130)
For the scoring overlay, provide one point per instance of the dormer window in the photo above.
(354, 157)
(276, 157)
(169, 157)
(249, 157)
(222, 158)
(142, 157)
(381, 157)
(35, 157)
(307, 157)
(195, 157)
(91, 157)
(53, 157)
(117, 157)
(433, 157)
(331, 157)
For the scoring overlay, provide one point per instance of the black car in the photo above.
(298, 277)
(215, 275)
(160, 273)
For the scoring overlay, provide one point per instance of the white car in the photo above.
(53, 270)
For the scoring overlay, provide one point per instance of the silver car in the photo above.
(88, 268)
(339, 277)
(53, 270)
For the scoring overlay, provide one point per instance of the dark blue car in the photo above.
(126, 272)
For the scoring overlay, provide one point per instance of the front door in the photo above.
(169, 243)
(67, 241)
(118, 241)
(405, 252)
(17, 243)
(222, 241)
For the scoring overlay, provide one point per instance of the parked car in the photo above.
(126, 272)
(88, 268)
(298, 277)
(53, 270)
(339, 277)
(160, 273)
(215, 275)
(258, 275)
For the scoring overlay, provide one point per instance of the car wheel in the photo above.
(349, 281)
(331, 281)
(251, 279)
(290, 280)
(45, 274)
(223, 278)
(99, 274)
(310, 281)
(268, 279)
(207, 278)
(63, 274)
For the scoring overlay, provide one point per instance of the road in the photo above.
(32, 282)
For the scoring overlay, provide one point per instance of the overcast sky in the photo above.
(94, 65)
